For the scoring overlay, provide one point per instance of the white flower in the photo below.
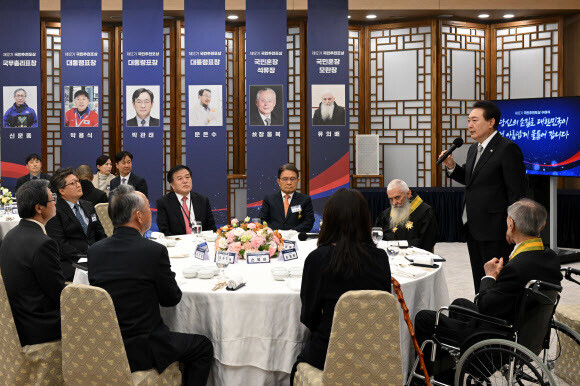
(222, 243)
(247, 219)
(239, 232)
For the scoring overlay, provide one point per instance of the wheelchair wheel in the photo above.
(561, 356)
(501, 362)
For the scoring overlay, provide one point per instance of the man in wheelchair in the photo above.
(503, 308)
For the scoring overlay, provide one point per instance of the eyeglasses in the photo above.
(53, 195)
(74, 182)
(289, 179)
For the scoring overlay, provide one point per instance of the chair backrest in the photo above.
(10, 349)
(92, 345)
(536, 307)
(102, 210)
(365, 344)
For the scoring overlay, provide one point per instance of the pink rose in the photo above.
(252, 225)
(234, 221)
(230, 236)
(247, 246)
(276, 240)
(235, 247)
(272, 250)
(257, 241)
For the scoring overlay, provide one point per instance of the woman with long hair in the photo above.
(346, 260)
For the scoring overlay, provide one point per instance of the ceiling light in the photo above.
(233, 17)
(508, 15)
(349, 16)
(483, 16)
(371, 16)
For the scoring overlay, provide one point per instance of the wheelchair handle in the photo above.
(568, 272)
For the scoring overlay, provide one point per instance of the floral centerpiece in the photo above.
(6, 196)
(248, 237)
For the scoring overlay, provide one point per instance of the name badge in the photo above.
(201, 252)
(288, 244)
(257, 257)
(289, 254)
(224, 256)
(296, 209)
(93, 217)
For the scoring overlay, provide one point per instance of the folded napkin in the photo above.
(234, 280)
(157, 235)
(423, 259)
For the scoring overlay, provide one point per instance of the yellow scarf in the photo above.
(415, 203)
(528, 245)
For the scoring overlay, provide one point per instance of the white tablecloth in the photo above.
(256, 331)
(7, 225)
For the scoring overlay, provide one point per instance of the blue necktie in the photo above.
(81, 220)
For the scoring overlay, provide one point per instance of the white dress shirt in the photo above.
(126, 179)
(83, 215)
(189, 205)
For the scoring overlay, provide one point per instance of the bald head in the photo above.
(84, 172)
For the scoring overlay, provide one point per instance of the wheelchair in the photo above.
(499, 352)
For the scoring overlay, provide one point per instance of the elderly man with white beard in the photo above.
(408, 218)
(328, 112)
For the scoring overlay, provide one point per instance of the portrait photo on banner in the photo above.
(20, 107)
(142, 106)
(81, 105)
(328, 101)
(205, 105)
(266, 105)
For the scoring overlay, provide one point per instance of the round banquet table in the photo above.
(256, 330)
(7, 223)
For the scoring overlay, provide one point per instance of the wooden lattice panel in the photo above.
(53, 100)
(463, 56)
(367, 181)
(354, 54)
(527, 60)
(236, 186)
(400, 101)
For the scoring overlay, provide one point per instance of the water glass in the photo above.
(222, 265)
(377, 234)
(196, 228)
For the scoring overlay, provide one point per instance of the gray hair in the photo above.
(263, 90)
(400, 184)
(528, 216)
(30, 194)
(84, 172)
(21, 89)
(123, 203)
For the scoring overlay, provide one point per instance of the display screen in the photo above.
(548, 132)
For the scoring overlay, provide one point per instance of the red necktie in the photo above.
(286, 204)
(185, 217)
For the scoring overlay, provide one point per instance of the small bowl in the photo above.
(205, 273)
(214, 269)
(295, 271)
(279, 273)
(211, 237)
(190, 272)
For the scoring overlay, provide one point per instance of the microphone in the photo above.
(457, 142)
(302, 236)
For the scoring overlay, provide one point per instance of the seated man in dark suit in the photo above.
(124, 161)
(30, 267)
(177, 210)
(76, 225)
(33, 164)
(502, 286)
(136, 273)
(90, 193)
(288, 209)
(408, 218)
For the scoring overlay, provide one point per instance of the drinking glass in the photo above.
(196, 229)
(377, 234)
(222, 265)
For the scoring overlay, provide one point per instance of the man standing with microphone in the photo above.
(494, 177)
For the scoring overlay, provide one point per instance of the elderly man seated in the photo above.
(408, 218)
(504, 281)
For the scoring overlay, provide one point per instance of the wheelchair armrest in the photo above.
(476, 315)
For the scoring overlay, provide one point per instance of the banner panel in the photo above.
(205, 90)
(20, 81)
(266, 90)
(328, 100)
(81, 82)
(143, 90)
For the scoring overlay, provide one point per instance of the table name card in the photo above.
(201, 252)
(257, 257)
(288, 244)
(228, 257)
(289, 254)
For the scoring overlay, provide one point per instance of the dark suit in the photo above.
(30, 267)
(137, 182)
(170, 215)
(272, 212)
(92, 194)
(153, 122)
(66, 230)
(498, 180)
(28, 177)
(338, 117)
(136, 273)
(321, 290)
(256, 119)
(498, 298)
